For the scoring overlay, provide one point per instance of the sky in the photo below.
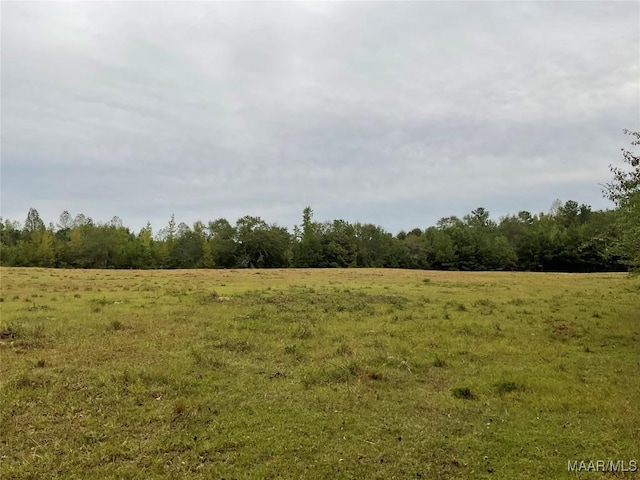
(391, 113)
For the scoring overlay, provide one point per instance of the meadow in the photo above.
(336, 374)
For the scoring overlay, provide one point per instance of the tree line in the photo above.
(570, 238)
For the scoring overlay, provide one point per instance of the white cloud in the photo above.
(393, 113)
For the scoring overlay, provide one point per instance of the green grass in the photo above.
(315, 374)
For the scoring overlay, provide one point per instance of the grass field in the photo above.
(335, 374)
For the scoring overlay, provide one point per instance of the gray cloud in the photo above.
(393, 113)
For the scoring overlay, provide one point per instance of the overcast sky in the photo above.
(395, 114)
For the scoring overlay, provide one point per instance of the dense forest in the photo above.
(569, 238)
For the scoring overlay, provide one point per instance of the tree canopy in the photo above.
(571, 238)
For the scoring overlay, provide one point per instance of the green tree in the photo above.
(99, 249)
(33, 223)
(46, 249)
(223, 243)
(146, 248)
(339, 244)
(260, 245)
(441, 253)
(188, 246)
(624, 191)
(9, 232)
(375, 246)
(417, 249)
(308, 248)
(76, 248)
(517, 230)
(207, 255)
(168, 245)
(66, 221)
(10, 238)
(82, 221)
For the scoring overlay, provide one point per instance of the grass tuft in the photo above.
(303, 332)
(505, 387)
(439, 363)
(344, 350)
(116, 325)
(463, 393)
(208, 298)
